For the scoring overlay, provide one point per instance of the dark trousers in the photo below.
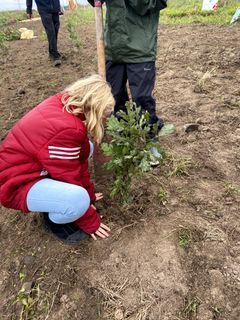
(51, 24)
(141, 79)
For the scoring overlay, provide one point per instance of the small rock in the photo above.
(204, 313)
(64, 298)
(205, 128)
(217, 295)
(174, 202)
(190, 127)
(119, 314)
(228, 307)
(238, 259)
(73, 306)
(229, 201)
(237, 131)
(199, 121)
(117, 260)
(217, 278)
(70, 306)
(27, 286)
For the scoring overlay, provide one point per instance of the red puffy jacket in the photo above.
(47, 142)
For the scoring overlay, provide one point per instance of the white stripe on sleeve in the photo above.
(64, 153)
(63, 157)
(63, 148)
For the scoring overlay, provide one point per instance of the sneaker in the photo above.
(57, 62)
(68, 232)
(167, 129)
(154, 151)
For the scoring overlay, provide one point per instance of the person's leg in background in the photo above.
(141, 78)
(116, 75)
(56, 22)
(51, 26)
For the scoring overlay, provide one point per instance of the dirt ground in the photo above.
(174, 253)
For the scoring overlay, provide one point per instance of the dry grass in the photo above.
(115, 302)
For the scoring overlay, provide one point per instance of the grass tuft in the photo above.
(179, 166)
(191, 308)
(184, 237)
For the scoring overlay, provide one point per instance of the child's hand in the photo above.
(101, 232)
(99, 196)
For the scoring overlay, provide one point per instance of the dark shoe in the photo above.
(68, 233)
(57, 62)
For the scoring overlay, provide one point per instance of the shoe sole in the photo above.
(57, 63)
(154, 163)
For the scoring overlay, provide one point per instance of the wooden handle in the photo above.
(100, 38)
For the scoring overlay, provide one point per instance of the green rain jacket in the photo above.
(131, 30)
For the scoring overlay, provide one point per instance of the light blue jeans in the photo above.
(63, 201)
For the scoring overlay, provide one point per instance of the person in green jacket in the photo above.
(130, 48)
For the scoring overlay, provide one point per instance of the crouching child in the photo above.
(44, 160)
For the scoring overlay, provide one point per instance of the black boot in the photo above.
(68, 232)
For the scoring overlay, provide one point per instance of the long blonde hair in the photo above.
(90, 96)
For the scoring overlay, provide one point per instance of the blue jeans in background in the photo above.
(51, 24)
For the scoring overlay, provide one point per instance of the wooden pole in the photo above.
(98, 157)
(100, 38)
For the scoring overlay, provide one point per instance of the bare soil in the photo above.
(174, 252)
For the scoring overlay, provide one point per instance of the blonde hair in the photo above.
(90, 96)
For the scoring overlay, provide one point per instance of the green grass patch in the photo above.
(74, 20)
(179, 12)
(179, 166)
(163, 197)
(87, 14)
(190, 11)
(10, 17)
(8, 34)
(72, 24)
(83, 15)
(231, 190)
(191, 308)
(184, 237)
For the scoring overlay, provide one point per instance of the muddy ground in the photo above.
(175, 252)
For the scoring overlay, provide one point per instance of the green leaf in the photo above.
(107, 149)
(24, 301)
(22, 275)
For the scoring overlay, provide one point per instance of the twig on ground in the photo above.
(53, 300)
